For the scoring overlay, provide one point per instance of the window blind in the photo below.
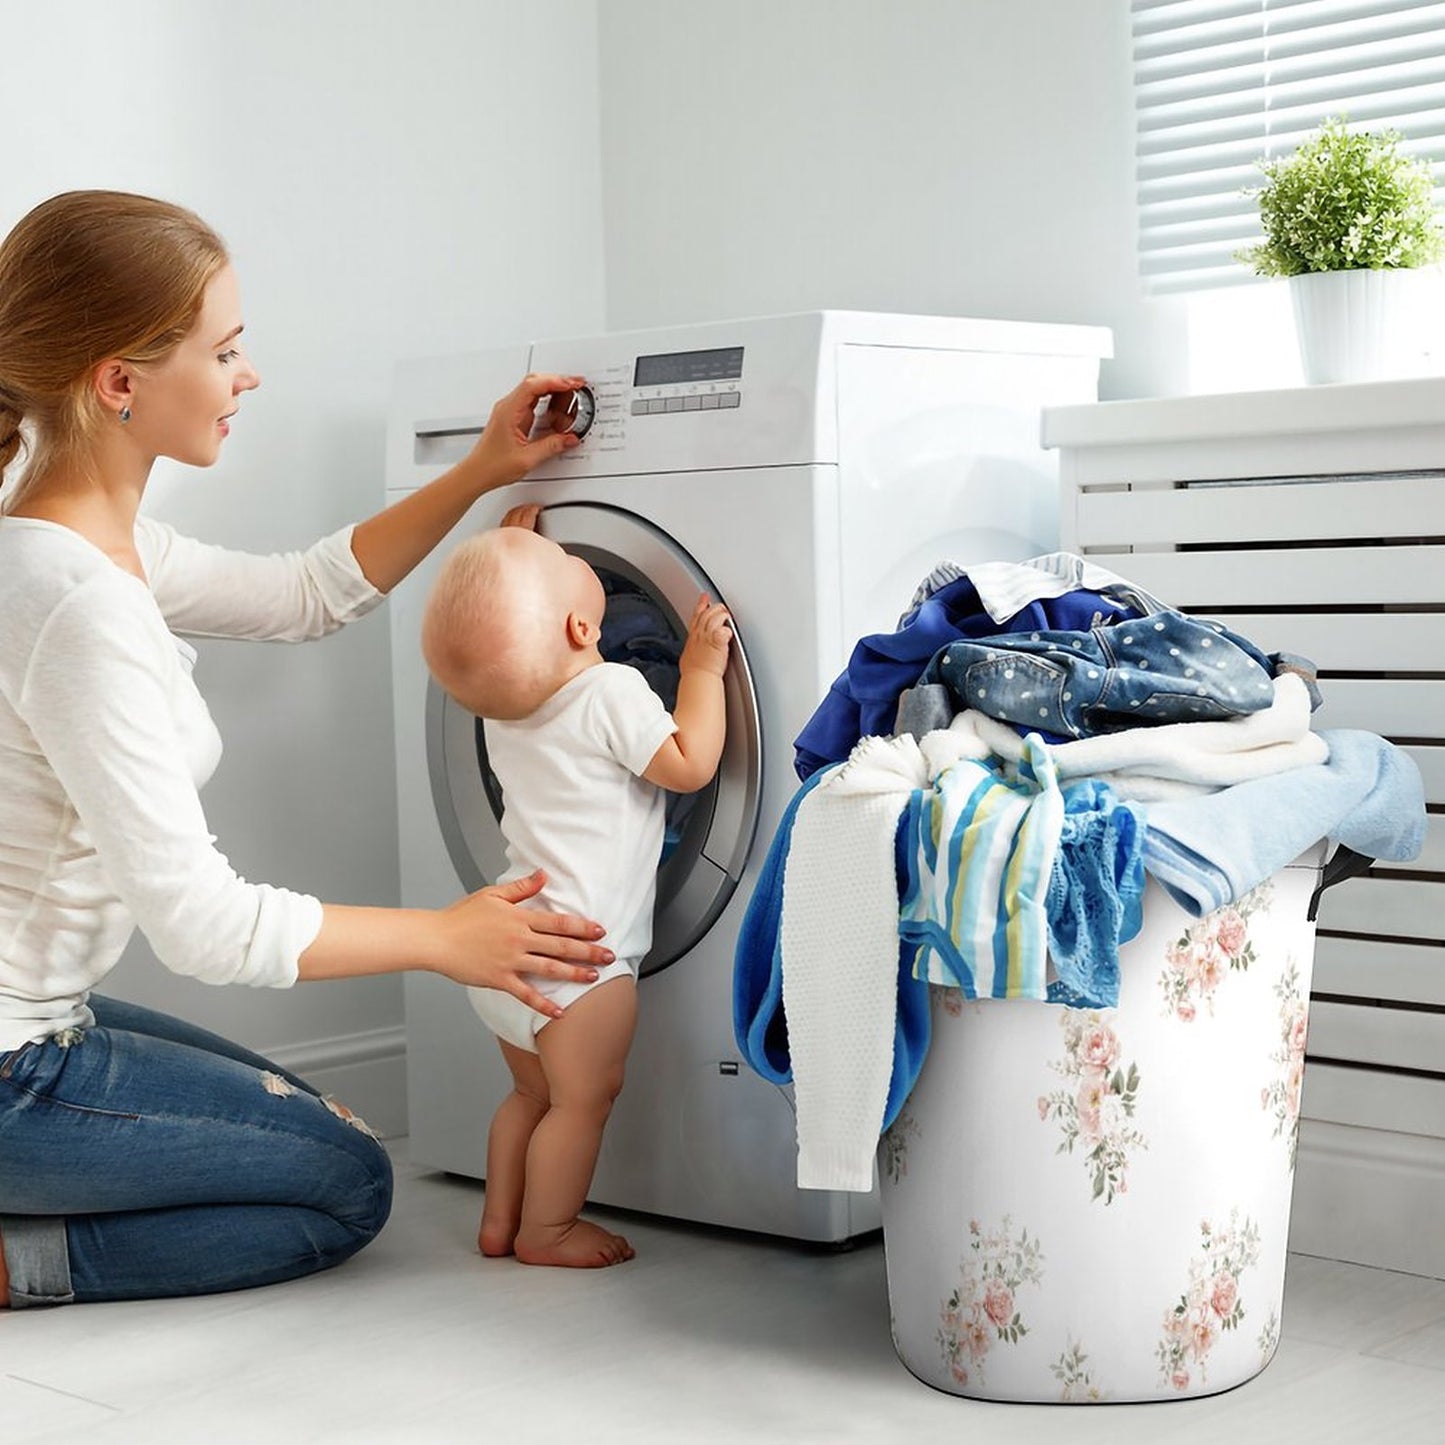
(1220, 84)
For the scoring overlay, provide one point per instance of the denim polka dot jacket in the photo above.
(1164, 668)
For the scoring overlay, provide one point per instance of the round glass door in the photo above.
(651, 586)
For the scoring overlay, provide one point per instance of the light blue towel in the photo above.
(1212, 850)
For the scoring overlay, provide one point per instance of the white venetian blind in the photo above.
(1218, 84)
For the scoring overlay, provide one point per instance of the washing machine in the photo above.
(808, 471)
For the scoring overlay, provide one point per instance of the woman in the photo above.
(139, 1156)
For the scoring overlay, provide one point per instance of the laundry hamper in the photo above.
(1093, 1204)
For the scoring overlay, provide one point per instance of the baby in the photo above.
(583, 750)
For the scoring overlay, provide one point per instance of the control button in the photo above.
(571, 411)
(674, 403)
(709, 401)
(731, 398)
(639, 407)
(692, 403)
(656, 405)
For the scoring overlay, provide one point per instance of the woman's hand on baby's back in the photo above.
(492, 943)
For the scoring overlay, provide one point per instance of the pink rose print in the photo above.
(1090, 1106)
(1231, 931)
(998, 1303)
(1224, 1296)
(1210, 1304)
(1202, 1330)
(1282, 1095)
(1196, 964)
(982, 1310)
(1100, 1048)
(1096, 1113)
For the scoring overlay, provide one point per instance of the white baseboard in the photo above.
(365, 1071)
(1370, 1196)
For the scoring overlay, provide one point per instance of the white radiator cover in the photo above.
(1313, 521)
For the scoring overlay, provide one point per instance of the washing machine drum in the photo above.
(651, 585)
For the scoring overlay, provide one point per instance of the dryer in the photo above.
(808, 471)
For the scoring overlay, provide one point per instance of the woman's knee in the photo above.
(362, 1199)
(383, 1188)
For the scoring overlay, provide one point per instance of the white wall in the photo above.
(397, 180)
(386, 179)
(970, 157)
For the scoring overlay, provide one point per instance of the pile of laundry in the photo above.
(985, 790)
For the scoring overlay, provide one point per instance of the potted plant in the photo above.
(1344, 217)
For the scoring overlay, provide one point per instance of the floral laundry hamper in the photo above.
(1093, 1204)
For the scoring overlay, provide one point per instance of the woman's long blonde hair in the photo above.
(85, 276)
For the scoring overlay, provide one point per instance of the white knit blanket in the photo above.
(839, 941)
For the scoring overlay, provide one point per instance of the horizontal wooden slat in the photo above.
(1372, 1099)
(1394, 707)
(1357, 1033)
(1285, 577)
(1398, 907)
(1370, 968)
(1351, 641)
(1314, 511)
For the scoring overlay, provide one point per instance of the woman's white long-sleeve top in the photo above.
(104, 745)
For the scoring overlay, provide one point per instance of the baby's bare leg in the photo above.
(582, 1055)
(511, 1132)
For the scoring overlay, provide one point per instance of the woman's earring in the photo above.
(124, 414)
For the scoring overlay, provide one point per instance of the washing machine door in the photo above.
(651, 584)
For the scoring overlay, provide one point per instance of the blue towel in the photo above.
(1212, 850)
(759, 1025)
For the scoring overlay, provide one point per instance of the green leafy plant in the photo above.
(1345, 202)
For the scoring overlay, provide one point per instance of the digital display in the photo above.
(677, 368)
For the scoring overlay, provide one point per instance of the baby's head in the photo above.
(511, 617)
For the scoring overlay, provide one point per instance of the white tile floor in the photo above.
(704, 1338)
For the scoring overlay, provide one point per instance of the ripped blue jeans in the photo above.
(145, 1157)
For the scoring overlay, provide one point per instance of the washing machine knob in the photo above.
(572, 411)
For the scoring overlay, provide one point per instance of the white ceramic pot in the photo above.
(1351, 325)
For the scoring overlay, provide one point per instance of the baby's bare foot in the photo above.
(495, 1236)
(578, 1245)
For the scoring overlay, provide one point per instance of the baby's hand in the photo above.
(524, 514)
(708, 635)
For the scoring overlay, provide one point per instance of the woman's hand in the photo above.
(489, 942)
(506, 450)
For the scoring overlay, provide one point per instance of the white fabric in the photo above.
(1207, 754)
(838, 936)
(104, 742)
(839, 940)
(574, 803)
(1006, 588)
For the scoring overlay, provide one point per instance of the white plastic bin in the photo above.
(1093, 1205)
